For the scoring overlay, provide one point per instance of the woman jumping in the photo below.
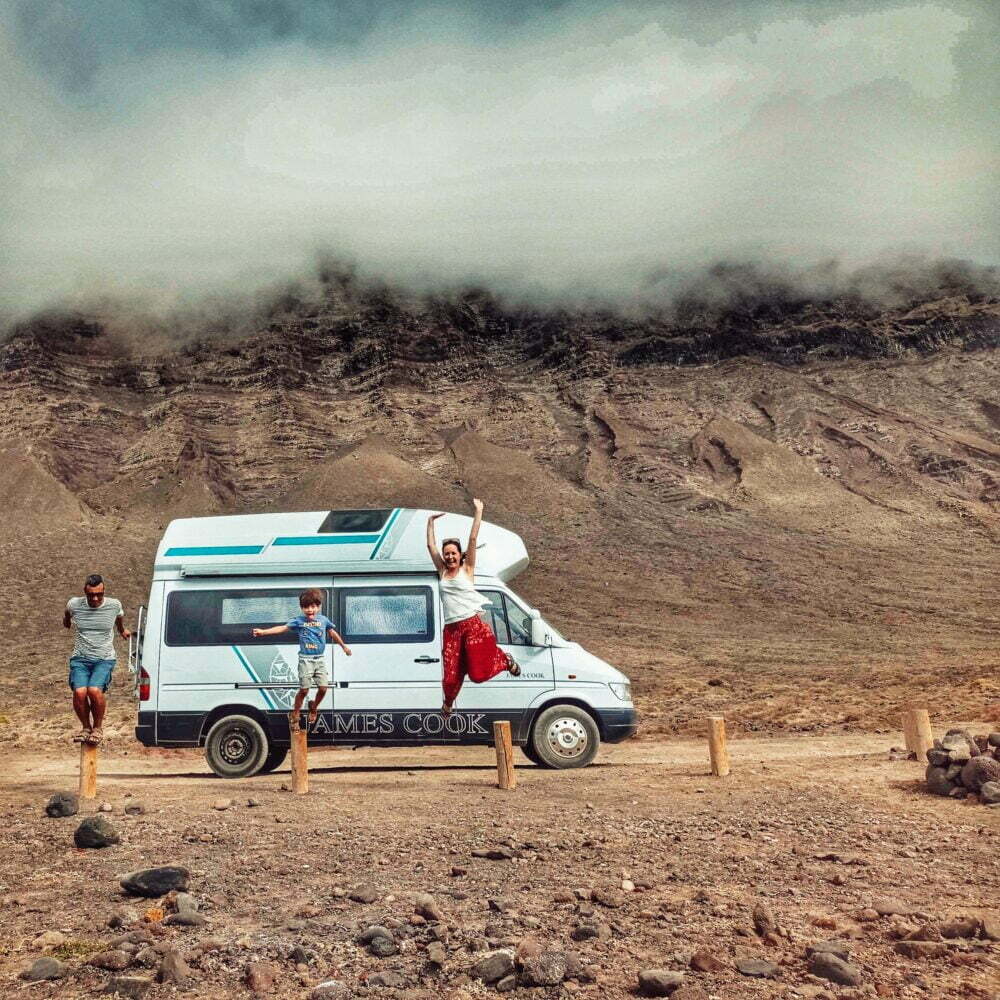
(470, 647)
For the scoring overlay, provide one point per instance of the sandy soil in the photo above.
(817, 829)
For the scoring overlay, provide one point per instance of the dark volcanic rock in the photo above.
(132, 987)
(96, 832)
(826, 965)
(758, 968)
(980, 770)
(990, 792)
(659, 982)
(62, 804)
(937, 780)
(547, 969)
(44, 968)
(493, 966)
(152, 882)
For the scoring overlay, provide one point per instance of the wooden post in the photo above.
(505, 755)
(300, 757)
(717, 752)
(917, 732)
(88, 770)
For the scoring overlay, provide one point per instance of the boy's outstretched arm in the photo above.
(276, 630)
(334, 636)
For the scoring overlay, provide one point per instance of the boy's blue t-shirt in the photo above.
(312, 634)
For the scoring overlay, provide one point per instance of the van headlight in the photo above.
(622, 691)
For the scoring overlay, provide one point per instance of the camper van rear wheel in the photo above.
(565, 736)
(236, 747)
(274, 759)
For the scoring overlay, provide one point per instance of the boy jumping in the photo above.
(313, 630)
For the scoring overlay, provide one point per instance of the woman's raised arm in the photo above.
(432, 547)
(470, 548)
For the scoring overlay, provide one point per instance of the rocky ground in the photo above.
(408, 874)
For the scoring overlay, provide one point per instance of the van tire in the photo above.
(274, 759)
(237, 747)
(565, 736)
(529, 751)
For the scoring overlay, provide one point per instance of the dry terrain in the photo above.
(808, 832)
(782, 511)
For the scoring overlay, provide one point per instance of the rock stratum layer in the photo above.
(786, 512)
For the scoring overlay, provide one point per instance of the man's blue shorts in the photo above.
(86, 673)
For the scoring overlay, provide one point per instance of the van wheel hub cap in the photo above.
(567, 737)
(235, 748)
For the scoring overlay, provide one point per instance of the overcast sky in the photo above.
(170, 148)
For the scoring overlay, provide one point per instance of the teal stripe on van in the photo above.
(385, 532)
(326, 540)
(253, 676)
(216, 550)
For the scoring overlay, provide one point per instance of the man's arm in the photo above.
(334, 636)
(120, 625)
(67, 619)
(275, 630)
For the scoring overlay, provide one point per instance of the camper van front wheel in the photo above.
(236, 747)
(565, 736)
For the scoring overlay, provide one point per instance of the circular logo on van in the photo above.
(281, 672)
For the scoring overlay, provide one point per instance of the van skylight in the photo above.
(338, 521)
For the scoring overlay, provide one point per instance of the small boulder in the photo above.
(920, 949)
(764, 921)
(989, 792)
(173, 969)
(260, 977)
(757, 968)
(705, 960)
(993, 740)
(425, 905)
(332, 989)
(96, 832)
(48, 939)
(611, 898)
(388, 979)
(493, 967)
(937, 780)
(382, 947)
(826, 965)
(364, 894)
(964, 927)
(134, 809)
(113, 961)
(153, 882)
(437, 955)
(839, 948)
(62, 804)
(659, 982)
(369, 934)
(890, 906)
(979, 771)
(44, 968)
(132, 987)
(547, 969)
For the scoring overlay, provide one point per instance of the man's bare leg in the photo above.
(98, 706)
(314, 705)
(81, 705)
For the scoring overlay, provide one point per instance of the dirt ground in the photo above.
(816, 829)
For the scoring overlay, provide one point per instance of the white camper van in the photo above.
(204, 680)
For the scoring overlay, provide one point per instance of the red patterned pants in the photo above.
(470, 650)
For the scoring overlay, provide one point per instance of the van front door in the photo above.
(389, 689)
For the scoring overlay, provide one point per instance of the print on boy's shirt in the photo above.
(311, 633)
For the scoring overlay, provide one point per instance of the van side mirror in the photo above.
(539, 634)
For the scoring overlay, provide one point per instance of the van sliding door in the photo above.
(392, 625)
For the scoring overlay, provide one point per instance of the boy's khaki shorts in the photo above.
(313, 672)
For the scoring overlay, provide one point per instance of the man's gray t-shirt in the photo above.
(94, 627)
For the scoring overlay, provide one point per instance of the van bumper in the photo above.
(145, 729)
(618, 724)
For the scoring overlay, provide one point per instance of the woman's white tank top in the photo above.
(460, 599)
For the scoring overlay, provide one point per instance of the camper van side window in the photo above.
(385, 614)
(495, 616)
(225, 617)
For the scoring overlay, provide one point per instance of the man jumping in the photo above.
(93, 661)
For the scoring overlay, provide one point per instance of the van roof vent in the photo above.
(338, 521)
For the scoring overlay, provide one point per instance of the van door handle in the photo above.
(427, 659)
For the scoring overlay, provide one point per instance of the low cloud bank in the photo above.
(587, 155)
